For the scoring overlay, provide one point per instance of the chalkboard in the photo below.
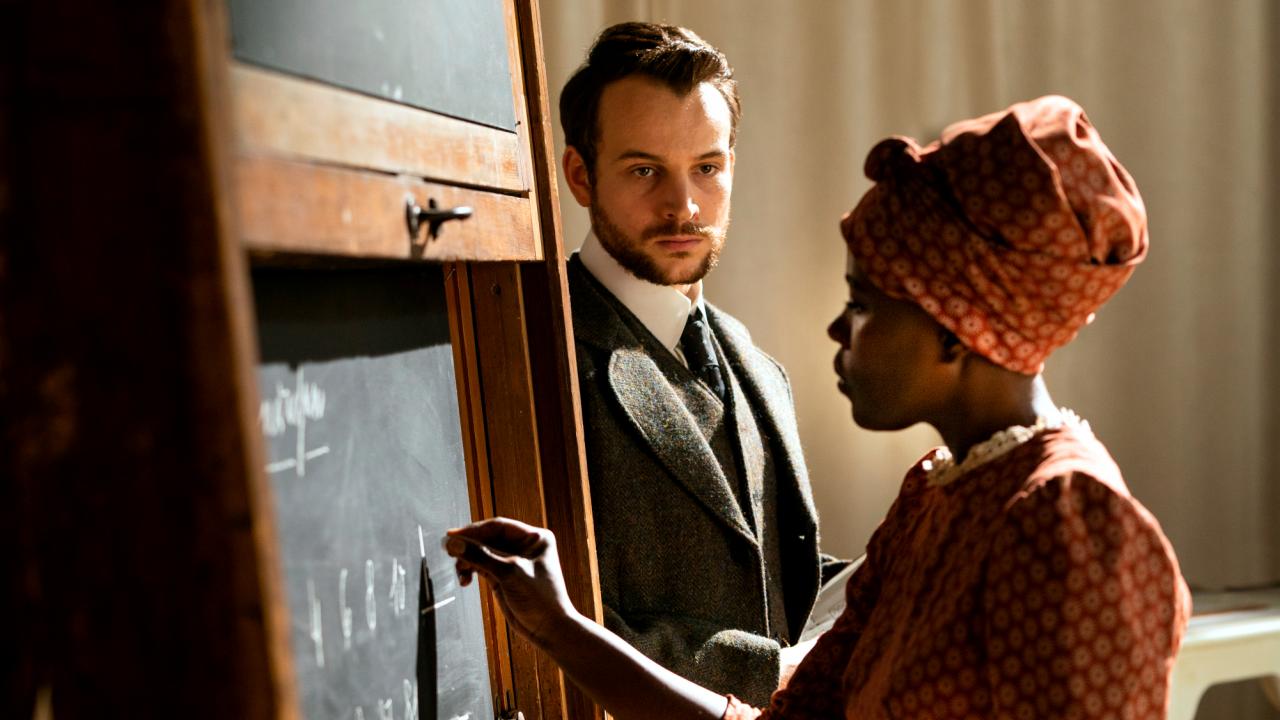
(448, 56)
(359, 411)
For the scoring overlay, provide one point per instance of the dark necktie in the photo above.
(700, 352)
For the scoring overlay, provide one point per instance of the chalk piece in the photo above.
(438, 605)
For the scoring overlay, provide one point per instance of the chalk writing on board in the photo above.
(410, 700)
(397, 597)
(317, 631)
(293, 407)
(398, 587)
(370, 610)
(385, 707)
(344, 612)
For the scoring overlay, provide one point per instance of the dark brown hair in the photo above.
(674, 56)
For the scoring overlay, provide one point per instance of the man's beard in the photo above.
(630, 252)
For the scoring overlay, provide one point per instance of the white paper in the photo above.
(830, 602)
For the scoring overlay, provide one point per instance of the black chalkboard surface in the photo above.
(359, 412)
(448, 56)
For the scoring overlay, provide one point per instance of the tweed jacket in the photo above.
(681, 570)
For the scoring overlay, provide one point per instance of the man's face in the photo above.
(659, 200)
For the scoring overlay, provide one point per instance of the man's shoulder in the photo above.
(736, 338)
(728, 324)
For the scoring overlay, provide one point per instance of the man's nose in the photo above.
(678, 201)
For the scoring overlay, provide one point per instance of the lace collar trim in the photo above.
(942, 468)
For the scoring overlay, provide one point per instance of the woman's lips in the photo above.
(841, 385)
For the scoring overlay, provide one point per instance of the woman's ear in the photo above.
(952, 349)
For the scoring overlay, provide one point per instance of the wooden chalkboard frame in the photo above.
(325, 170)
(449, 55)
(156, 589)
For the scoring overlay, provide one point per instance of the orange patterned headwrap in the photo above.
(1011, 230)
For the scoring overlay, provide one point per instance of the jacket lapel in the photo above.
(765, 381)
(651, 405)
(671, 432)
(750, 453)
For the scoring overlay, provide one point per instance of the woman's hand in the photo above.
(790, 659)
(522, 564)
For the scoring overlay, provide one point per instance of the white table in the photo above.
(1231, 636)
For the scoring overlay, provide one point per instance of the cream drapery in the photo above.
(1180, 375)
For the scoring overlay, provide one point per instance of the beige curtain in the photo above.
(1179, 374)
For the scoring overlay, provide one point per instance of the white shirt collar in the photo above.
(662, 309)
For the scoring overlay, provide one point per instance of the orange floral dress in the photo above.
(1031, 586)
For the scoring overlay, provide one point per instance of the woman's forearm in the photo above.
(521, 564)
(624, 681)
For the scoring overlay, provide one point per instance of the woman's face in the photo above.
(892, 363)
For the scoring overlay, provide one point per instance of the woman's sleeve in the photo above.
(814, 691)
(1084, 606)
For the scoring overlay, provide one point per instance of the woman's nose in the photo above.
(838, 330)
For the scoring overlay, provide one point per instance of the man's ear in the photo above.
(576, 175)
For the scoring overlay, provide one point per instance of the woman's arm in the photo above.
(521, 563)
(1104, 603)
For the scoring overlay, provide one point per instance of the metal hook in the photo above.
(432, 216)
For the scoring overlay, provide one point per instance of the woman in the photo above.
(1014, 576)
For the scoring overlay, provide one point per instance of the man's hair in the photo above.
(673, 56)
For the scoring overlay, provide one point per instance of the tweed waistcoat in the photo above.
(730, 428)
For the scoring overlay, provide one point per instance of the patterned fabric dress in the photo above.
(1031, 585)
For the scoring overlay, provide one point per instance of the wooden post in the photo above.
(127, 375)
(554, 367)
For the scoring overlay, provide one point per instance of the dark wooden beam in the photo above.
(126, 371)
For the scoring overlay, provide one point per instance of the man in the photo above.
(706, 533)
